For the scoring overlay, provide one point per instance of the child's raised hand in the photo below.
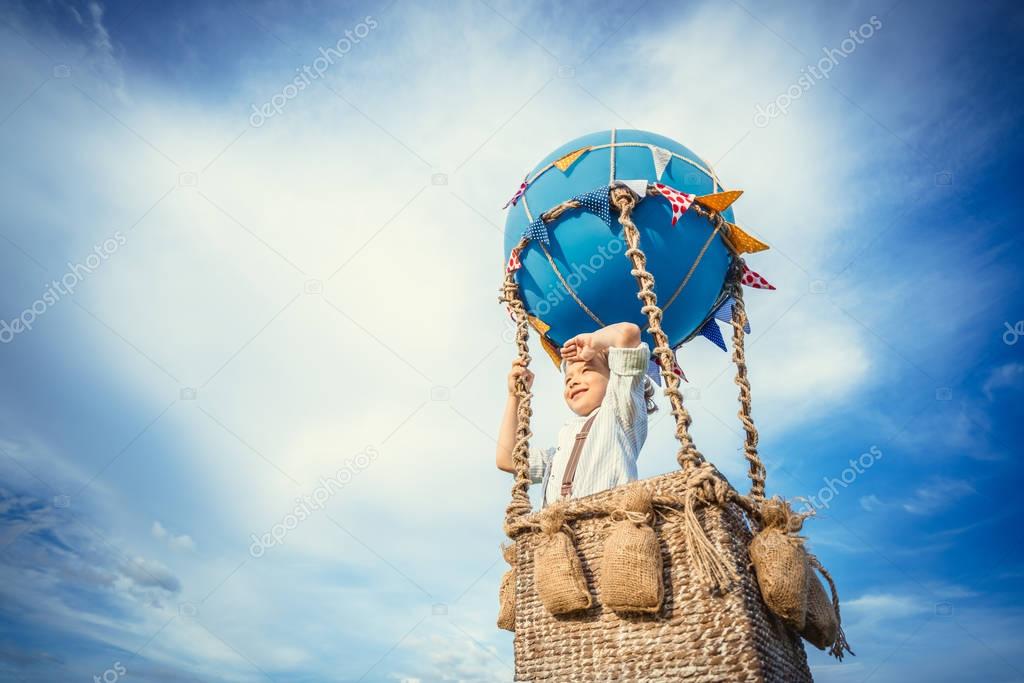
(582, 347)
(519, 369)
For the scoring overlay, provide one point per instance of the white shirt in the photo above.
(618, 432)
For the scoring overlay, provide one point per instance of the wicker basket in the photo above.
(713, 624)
(697, 636)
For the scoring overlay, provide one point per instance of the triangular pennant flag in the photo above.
(551, 350)
(724, 313)
(639, 187)
(596, 202)
(711, 331)
(517, 195)
(654, 370)
(537, 230)
(720, 201)
(538, 324)
(679, 201)
(571, 158)
(661, 158)
(513, 261)
(741, 242)
(752, 279)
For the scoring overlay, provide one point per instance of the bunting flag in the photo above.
(552, 351)
(538, 324)
(596, 202)
(639, 187)
(513, 261)
(711, 331)
(680, 201)
(661, 158)
(724, 313)
(654, 370)
(571, 158)
(752, 279)
(517, 195)
(741, 242)
(720, 201)
(537, 230)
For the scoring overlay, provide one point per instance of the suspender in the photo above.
(574, 458)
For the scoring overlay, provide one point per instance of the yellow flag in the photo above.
(719, 201)
(552, 351)
(571, 158)
(538, 324)
(741, 242)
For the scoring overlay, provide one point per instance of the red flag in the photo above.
(680, 201)
(752, 279)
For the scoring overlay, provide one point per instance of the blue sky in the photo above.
(271, 304)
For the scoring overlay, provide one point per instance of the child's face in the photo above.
(585, 385)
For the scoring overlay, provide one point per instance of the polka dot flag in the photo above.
(537, 230)
(596, 202)
(517, 195)
(680, 201)
(710, 331)
(752, 279)
(513, 261)
(724, 313)
(654, 370)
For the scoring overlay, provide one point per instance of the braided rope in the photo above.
(756, 470)
(624, 200)
(519, 505)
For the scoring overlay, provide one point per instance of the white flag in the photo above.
(661, 158)
(638, 186)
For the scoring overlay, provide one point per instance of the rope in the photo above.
(841, 643)
(756, 470)
(570, 290)
(519, 506)
(624, 200)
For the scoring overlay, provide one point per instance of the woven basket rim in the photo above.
(609, 495)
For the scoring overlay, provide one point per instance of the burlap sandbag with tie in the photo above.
(558, 574)
(631, 571)
(821, 626)
(780, 562)
(507, 592)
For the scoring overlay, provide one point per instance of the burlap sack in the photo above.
(780, 563)
(821, 627)
(631, 571)
(507, 592)
(558, 574)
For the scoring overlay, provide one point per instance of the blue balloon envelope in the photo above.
(581, 281)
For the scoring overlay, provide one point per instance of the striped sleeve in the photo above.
(539, 459)
(628, 367)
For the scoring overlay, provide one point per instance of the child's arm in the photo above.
(509, 420)
(587, 346)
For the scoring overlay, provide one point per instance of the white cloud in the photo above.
(936, 494)
(1002, 377)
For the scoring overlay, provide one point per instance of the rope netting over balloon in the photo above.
(597, 201)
